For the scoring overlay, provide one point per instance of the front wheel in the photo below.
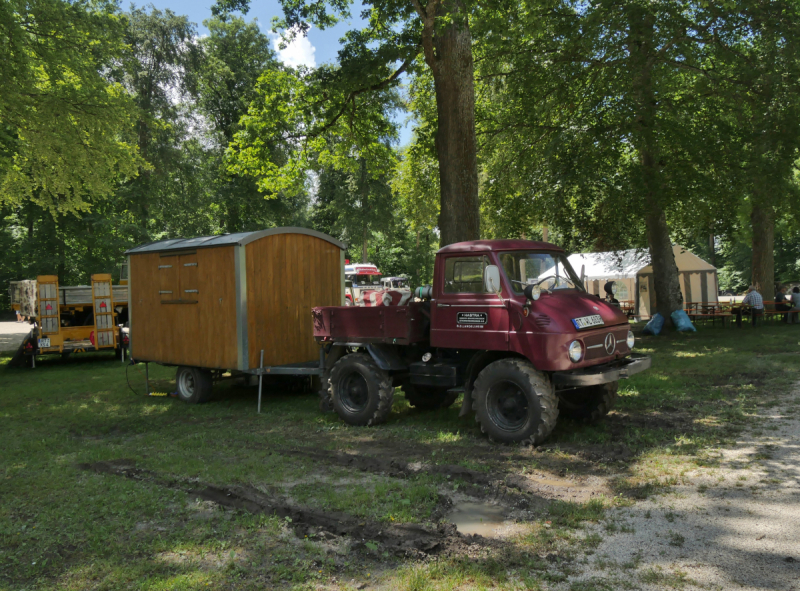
(193, 384)
(361, 392)
(588, 404)
(514, 402)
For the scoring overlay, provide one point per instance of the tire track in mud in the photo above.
(519, 490)
(390, 466)
(402, 539)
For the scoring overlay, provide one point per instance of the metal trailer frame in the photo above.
(308, 368)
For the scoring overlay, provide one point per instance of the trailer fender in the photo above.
(386, 357)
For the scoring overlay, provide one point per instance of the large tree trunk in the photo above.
(665, 270)
(448, 52)
(763, 267)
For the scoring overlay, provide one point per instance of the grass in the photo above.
(68, 528)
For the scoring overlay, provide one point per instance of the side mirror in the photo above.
(491, 279)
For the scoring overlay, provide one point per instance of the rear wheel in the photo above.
(361, 392)
(588, 404)
(428, 397)
(514, 402)
(193, 384)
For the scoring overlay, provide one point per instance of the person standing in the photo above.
(795, 305)
(783, 302)
(756, 303)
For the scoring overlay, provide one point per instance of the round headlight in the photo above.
(575, 351)
(631, 339)
(536, 292)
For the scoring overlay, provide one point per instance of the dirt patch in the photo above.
(516, 490)
(391, 466)
(402, 539)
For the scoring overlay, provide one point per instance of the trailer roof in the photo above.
(497, 245)
(240, 238)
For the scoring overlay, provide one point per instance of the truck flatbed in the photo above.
(398, 325)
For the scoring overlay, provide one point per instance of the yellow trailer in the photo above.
(71, 319)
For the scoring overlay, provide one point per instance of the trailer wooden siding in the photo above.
(287, 275)
(199, 330)
(215, 302)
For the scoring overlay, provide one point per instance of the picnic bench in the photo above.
(697, 311)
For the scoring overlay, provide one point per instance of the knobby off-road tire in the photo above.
(361, 392)
(588, 404)
(513, 402)
(428, 397)
(193, 384)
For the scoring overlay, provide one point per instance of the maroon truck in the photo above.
(506, 322)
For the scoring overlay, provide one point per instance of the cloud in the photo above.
(300, 52)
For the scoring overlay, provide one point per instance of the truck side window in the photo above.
(465, 274)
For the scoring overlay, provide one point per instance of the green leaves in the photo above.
(61, 120)
(315, 122)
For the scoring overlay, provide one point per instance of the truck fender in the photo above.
(386, 357)
(480, 360)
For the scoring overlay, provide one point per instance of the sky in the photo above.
(318, 48)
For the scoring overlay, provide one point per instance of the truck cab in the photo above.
(360, 280)
(507, 323)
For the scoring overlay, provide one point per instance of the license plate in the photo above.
(44, 343)
(587, 321)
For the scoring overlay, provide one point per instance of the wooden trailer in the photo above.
(215, 303)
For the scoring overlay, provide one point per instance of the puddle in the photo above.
(477, 518)
(549, 482)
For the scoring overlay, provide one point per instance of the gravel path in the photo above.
(12, 333)
(735, 525)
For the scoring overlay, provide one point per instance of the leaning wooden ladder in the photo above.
(105, 332)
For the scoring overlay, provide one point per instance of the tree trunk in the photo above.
(61, 265)
(448, 52)
(665, 271)
(364, 255)
(712, 250)
(763, 266)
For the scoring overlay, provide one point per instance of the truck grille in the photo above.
(596, 343)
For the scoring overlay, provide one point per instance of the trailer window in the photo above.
(465, 274)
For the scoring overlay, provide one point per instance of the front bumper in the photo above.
(602, 374)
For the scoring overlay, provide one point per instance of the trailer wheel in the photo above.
(193, 384)
(428, 397)
(588, 404)
(514, 402)
(361, 392)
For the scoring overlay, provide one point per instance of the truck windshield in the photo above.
(361, 280)
(548, 270)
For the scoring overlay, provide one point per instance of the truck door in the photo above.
(464, 315)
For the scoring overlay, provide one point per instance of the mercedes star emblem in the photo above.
(610, 343)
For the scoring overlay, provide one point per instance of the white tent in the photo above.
(633, 274)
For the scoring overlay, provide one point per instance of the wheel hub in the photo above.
(354, 392)
(508, 406)
(187, 383)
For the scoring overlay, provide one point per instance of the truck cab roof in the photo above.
(497, 245)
